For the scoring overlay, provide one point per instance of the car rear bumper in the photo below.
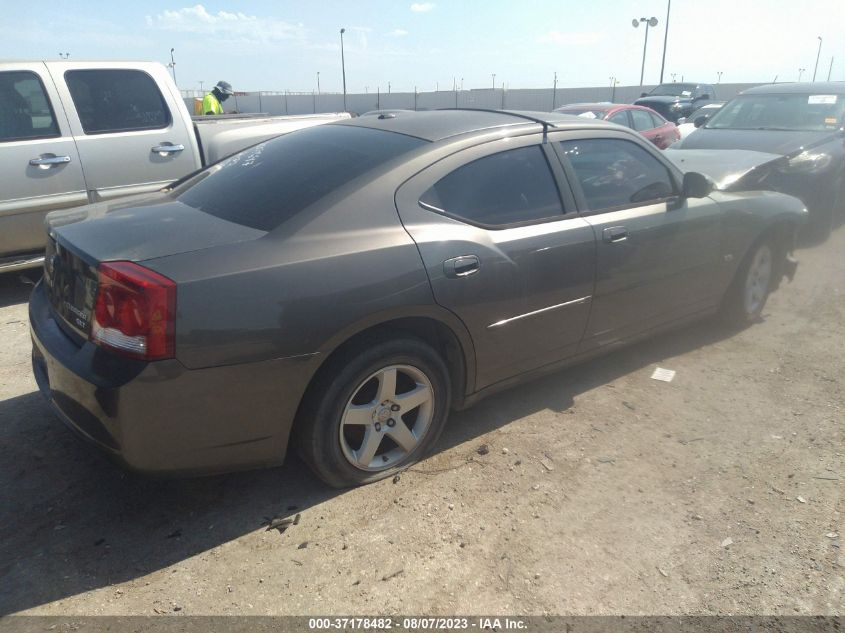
(161, 418)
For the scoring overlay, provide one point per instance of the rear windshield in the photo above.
(267, 184)
(587, 113)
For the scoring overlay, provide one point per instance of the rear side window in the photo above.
(266, 185)
(657, 120)
(642, 120)
(25, 111)
(117, 101)
(620, 118)
(510, 187)
(616, 174)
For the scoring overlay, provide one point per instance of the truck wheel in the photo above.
(746, 297)
(376, 414)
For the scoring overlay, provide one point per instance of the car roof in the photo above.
(436, 125)
(815, 88)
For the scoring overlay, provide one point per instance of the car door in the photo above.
(644, 124)
(130, 131)
(39, 165)
(657, 252)
(504, 251)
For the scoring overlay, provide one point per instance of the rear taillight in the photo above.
(135, 311)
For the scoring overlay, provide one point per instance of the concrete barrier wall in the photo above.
(539, 99)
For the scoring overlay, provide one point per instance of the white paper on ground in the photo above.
(666, 375)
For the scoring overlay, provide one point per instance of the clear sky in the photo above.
(282, 45)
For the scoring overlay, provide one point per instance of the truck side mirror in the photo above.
(700, 120)
(697, 185)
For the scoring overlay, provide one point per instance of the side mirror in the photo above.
(681, 121)
(700, 120)
(697, 185)
(645, 94)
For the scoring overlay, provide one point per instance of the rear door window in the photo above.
(616, 174)
(117, 100)
(621, 118)
(642, 120)
(503, 189)
(267, 184)
(25, 110)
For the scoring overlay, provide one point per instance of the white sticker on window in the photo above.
(686, 93)
(821, 99)
(587, 115)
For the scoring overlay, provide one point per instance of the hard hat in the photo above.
(225, 87)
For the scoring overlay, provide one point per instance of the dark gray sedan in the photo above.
(347, 285)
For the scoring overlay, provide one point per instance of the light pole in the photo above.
(719, 80)
(201, 82)
(388, 87)
(800, 72)
(665, 40)
(652, 21)
(318, 82)
(613, 83)
(343, 67)
(494, 81)
(830, 70)
(819, 54)
(554, 92)
(64, 55)
(173, 64)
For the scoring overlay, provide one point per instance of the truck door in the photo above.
(39, 164)
(133, 134)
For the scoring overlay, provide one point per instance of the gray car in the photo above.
(347, 285)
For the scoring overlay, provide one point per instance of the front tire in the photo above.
(745, 299)
(375, 411)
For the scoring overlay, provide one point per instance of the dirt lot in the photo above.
(603, 491)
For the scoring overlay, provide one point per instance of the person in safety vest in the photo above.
(212, 103)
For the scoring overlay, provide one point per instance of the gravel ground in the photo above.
(596, 490)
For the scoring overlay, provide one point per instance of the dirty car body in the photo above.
(460, 252)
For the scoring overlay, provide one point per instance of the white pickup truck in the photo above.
(73, 133)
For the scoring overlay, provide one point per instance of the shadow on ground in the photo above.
(72, 521)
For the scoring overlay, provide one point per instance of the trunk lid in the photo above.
(137, 229)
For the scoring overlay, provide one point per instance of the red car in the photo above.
(644, 120)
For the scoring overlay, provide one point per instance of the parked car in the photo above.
(677, 100)
(686, 125)
(348, 284)
(644, 120)
(804, 123)
(72, 133)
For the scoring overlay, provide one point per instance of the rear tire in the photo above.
(747, 295)
(374, 412)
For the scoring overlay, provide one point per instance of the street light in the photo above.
(800, 72)
(719, 80)
(64, 55)
(173, 64)
(665, 40)
(343, 67)
(817, 58)
(652, 21)
(494, 81)
(613, 83)
(554, 92)
(318, 82)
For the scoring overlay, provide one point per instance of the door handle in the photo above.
(46, 161)
(462, 266)
(167, 148)
(613, 234)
